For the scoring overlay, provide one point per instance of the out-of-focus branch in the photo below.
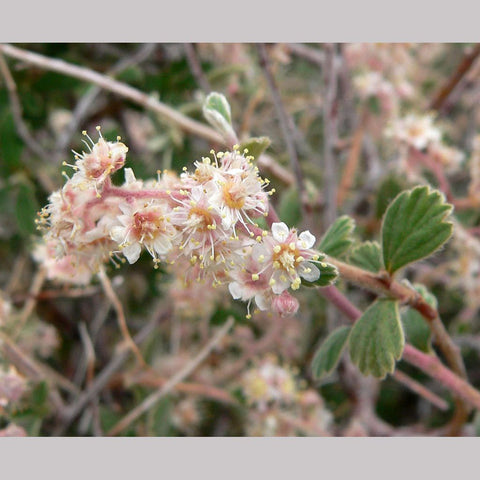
(442, 95)
(122, 89)
(284, 119)
(196, 67)
(83, 106)
(153, 399)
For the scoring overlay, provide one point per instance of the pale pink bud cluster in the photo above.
(201, 222)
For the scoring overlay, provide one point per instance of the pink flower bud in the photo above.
(285, 304)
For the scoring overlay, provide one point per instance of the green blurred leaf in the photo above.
(338, 238)
(377, 339)
(289, 209)
(10, 146)
(374, 105)
(414, 227)
(160, 418)
(255, 146)
(221, 315)
(39, 394)
(328, 354)
(367, 255)
(26, 209)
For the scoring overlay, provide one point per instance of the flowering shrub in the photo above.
(338, 296)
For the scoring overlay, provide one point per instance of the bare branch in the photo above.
(153, 399)
(107, 83)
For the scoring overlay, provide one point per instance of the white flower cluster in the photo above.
(420, 132)
(203, 221)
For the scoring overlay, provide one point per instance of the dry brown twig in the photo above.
(181, 375)
(122, 89)
(122, 321)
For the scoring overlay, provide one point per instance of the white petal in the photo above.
(280, 231)
(262, 302)
(132, 252)
(235, 290)
(312, 275)
(162, 245)
(118, 233)
(129, 176)
(307, 239)
(280, 284)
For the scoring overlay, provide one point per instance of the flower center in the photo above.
(232, 196)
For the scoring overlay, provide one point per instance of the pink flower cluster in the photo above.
(203, 221)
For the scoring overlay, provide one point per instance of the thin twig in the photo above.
(31, 369)
(122, 89)
(83, 106)
(37, 283)
(90, 372)
(196, 67)
(330, 135)
(120, 357)
(147, 379)
(313, 55)
(418, 388)
(442, 95)
(285, 120)
(348, 174)
(122, 321)
(152, 399)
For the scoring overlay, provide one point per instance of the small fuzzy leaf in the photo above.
(414, 227)
(216, 110)
(255, 146)
(216, 102)
(328, 276)
(328, 354)
(377, 339)
(338, 238)
(367, 255)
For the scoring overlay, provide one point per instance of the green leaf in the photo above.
(377, 339)
(26, 209)
(218, 103)
(338, 238)
(417, 331)
(374, 104)
(367, 255)
(328, 276)
(289, 209)
(414, 227)
(255, 146)
(10, 146)
(216, 110)
(159, 418)
(328, 354)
